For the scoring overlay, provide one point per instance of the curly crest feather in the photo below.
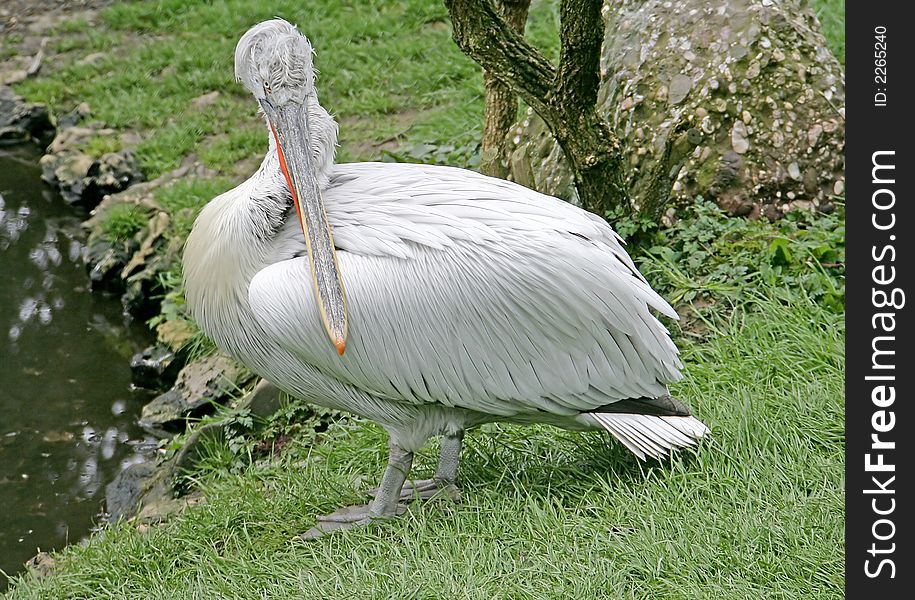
(274, 57)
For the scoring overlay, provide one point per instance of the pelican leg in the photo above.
(385, 505)
(444, 482)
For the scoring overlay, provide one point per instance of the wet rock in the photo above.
(68, 173)
(145, 493)
(104, 261)
(199, 387)
(41, 565)
(155, 368)
(131, 268)
(142, 277)
(23, 121)
(111, 173)
(122, 495)
(82, 180)
(155, 229)
(157, 510)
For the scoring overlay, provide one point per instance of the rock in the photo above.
(14, 76)
(739, 142)
(71, 138)
(199, 386)
(23, 121)
(157, 510)
(104, 262)
(154, 231)
(79, 178)
(41, 565)
(680, 86)
(155, 368)
(68, 173)
(813, 134)
(262, 401)
(111, 173)
(771, 212)
(141, 285)
(82, 179)
(124, 493)
(132, 267)
(37, 60)
(174, 334)
(145, 493)
(768, 106)
(72, 118)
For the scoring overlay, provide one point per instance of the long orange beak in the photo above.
(289, 124)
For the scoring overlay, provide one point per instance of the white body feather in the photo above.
(471, 299)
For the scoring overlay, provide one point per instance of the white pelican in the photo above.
(467, 299)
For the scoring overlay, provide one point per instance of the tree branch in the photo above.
(484, 36)
(581, 32)
(500, 109)
(565, 98)
(652, 188)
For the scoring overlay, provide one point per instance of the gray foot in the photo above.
(347, 518)
(425, 489)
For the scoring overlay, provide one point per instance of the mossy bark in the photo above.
(564, 96)
(500, 109)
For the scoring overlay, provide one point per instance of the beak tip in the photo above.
(341, 346)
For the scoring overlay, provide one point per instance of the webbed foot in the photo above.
(425, 489)
(348, 518)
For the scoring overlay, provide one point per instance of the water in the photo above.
(67, 411)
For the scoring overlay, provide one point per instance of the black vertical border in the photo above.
(871, 128)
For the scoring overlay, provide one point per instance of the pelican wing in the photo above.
(473, 292)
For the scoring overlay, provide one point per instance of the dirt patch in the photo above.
(32, 15)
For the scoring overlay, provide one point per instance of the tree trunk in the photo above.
(501, 104)
(744, 95)
(564, 96)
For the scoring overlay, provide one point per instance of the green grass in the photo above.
(184, 198)
(392, 63)
(831, 14)
(756, 513)
(123, 222)
(388, 70)
(100, 145)
(706, 256)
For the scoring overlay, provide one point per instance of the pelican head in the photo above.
(274, 61)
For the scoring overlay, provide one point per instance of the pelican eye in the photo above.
(267, 88)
